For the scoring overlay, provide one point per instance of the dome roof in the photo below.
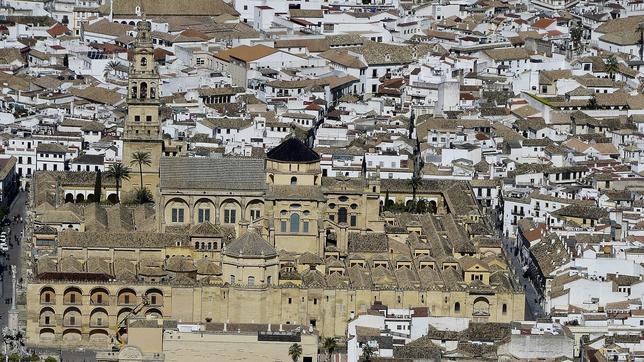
(251, 244)
(293, 150)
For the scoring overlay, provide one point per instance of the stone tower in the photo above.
(142, 130)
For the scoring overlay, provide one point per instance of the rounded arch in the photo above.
(72, 317)
(99, 296)
(457, 307)
(204, 210)
(154, 296)
(99, 318)
(126, 296)
(122, 314)
(80, 198)
(342, 215)
(481, 307)
(99, 336)
(143, 87)
(131, 23)
(72, 335)
(73, 295)
(69, 197)
(153, 313)
(432, 206)
(47, 316)
(47, 334)
(293, 181)
(91, 198)
(176, 211)
(47, 295)
(229, 211)
(294, 222)
(113, 198)
(254, 209)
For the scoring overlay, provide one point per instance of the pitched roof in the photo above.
(248, 54)
(212, 173)
(173, 7)
(502, 54)
(251, 244)
(293, 150)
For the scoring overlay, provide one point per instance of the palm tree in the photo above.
(141, 158)
(111, 67)
(329, 346)
(612, 66)
(295, 351)
(119, 172)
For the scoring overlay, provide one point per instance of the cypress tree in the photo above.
(97, 186)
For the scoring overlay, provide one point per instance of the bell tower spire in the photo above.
(142, 130)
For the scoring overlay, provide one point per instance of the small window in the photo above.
(251, 281)
(232, 279)
(457, 307)
(293, 180)
(504, 309)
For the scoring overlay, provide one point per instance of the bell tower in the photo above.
(142, 130)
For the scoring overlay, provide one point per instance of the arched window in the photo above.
(457, 307)
(144, 61)
(251, 281)
(504, 309)
(293, 180)
(144, 90)
(295, 223)
(269, 280)
(232, 279)
(342, 215)
(134, 92)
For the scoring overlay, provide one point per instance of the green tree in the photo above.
(592, 103)
(421, 206)
(141, 158)
(329, 345)
(612, 66)
(385, 206)
(414, 183)
(97, 186)
(111, 67)
(119, 172)
(367, 352)
(144, 196)
(295, 352)
(50, 359)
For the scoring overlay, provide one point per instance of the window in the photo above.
(283, 226)
(295, 223)
(200, 61)
(374, 73)
(255, 214)
(457, 307)
(153, 299)
(126, 299)
(269, 280)
(137, 119)
(342, 215)
(230, 216)
(504, 309)
(305, 227)
(144, 61)
(293, 180)
(290, 300)
(99, 299)
(354, 220)
(232, 279)
(47, 298)
(251, 281)
(72, 298)
(204, 215)
(177, 215)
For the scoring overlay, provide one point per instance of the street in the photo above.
(12, 257)
(533, 309)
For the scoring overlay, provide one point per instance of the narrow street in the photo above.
(533, 309)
